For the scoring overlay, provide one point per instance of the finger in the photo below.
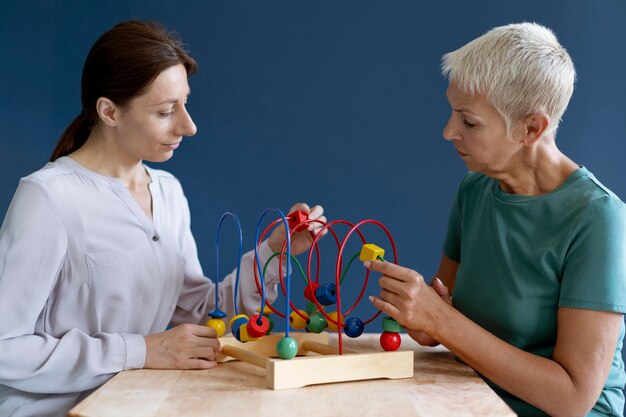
(441, 289)
(392, 298)
(316, 212)
(205, 343)
(202, 353)
(199, 364)
(425, 340)
(385, 307)
(316, 225)
(300, 206)
(203, 331)
(392, 270)
(391, 284)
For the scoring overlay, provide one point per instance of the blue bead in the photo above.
(326, 294)
(354, 327)
(217, 314)
(236, 324)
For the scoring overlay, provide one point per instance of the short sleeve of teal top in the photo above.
(521, 258)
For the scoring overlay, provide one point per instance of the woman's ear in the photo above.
(107, 110)
(535, 126)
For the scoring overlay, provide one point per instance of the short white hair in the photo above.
(520, 69)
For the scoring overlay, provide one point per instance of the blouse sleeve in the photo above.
(33, 243)
(197, 297)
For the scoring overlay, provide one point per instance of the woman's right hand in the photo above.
(188, 346)
(421, 337)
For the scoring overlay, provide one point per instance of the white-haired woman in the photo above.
(535, 252)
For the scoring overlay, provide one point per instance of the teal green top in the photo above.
(521, 258)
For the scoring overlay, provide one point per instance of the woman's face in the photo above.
(479, 134)
(151, 126)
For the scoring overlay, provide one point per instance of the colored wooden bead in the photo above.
(287, 348)
(297, 220)
(311, 307)
(218, 325)
(317, 323)
(217, 314)
(390, 341)
(309, 291)
(266, 310)
(244, 336)
(256, 329)
(332, 326)
(296, 321)
(354, 327)
(326, 294)
(391, 325)
(271, 321)
(235, 325)
(371, 252)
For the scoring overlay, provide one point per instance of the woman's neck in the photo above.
(99, 155)
(541, 169)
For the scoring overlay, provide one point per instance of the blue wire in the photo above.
(217, 258)
(258, 265)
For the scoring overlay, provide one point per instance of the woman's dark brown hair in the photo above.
(121, 65)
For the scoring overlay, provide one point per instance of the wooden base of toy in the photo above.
(319, 363)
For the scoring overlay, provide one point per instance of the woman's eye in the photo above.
(166, 114)
(468, 124)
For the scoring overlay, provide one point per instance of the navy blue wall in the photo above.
(332, 102)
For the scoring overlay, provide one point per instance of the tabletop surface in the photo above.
(441, 386)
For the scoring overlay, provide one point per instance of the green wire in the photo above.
(293, 258)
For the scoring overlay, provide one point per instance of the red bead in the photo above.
(255, 329)
(297, 220)
(309, 291)
(390, 341)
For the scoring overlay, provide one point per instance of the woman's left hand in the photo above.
(300, 241)
(406, 297)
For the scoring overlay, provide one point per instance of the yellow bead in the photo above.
(266, 310)
(243, 334)
(218, 325)
(332, 326)
(371, 252)
(298, 322)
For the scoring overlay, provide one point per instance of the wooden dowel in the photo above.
(322, 348)
(245, 355)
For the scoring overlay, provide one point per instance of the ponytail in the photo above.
(74, 137)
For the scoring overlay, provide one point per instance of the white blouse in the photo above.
(85, 274)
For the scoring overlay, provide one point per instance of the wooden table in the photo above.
(441, 386)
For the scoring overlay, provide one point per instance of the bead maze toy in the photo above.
(305, 358)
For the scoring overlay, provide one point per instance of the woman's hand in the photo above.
(405, 296)
(421, 337)
(188, 346)
(300, 241)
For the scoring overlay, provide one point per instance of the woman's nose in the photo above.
(186, 125)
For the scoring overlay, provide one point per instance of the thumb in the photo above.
(442, 290)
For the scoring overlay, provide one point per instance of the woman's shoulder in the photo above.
(592, 188)
(595, 197)
(48, 173)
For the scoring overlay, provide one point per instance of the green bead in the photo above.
(271, 320)
(311, 307)
(287, 348)
(317, 323)
(390, 325)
